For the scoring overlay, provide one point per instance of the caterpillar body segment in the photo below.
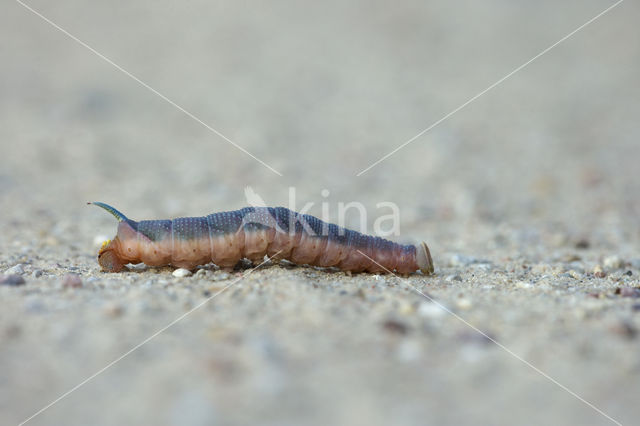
(225, 238)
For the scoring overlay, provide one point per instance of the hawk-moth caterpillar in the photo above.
(225, 238)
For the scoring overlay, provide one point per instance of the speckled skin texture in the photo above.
(227, 237)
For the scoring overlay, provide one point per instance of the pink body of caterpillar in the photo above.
(226, 238)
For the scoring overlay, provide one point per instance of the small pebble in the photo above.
(613, 262)
(431, 310)
(523, 284)
(181, 273)
(483, 266)
(37, 273)
(11, 280)
(628, 273)
(572, 257)
(113, 310)
(598, 272)
(452, 278)
(464, 303)
(582, 244)
(405, 308)
(627, 291)
(221, 276)
(15, 270)
(71, 281)
(574, 274)
(201, 273)
(395, 326)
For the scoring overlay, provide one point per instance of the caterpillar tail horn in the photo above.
(111, 210)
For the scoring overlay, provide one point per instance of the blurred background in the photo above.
(319, 91)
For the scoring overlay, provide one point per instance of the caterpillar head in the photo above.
(108, 255)
(108, 258)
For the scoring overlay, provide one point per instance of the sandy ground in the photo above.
(528, 198)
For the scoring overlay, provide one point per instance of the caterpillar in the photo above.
(226, 238)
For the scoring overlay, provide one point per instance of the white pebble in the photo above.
(221, 276)
(523, 284)
(202, 273)
(431, 310)
(598, 272)
(464, 303)
(452, 278)
(181, 272)
(15, 270)
(613, 262)
(574, 274)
